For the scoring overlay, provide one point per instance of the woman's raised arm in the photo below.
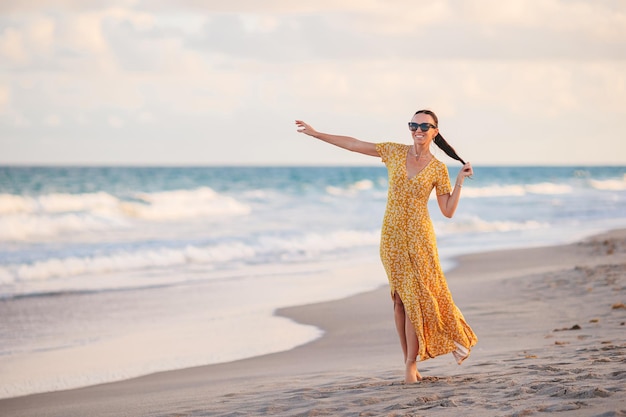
(345, 142)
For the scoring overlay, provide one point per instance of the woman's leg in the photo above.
(400, 318)
(411, 372)
(408, 340)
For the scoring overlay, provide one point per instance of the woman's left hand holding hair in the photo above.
(466, 171)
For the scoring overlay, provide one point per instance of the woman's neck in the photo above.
(419, 151)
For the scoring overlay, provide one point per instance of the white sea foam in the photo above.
(314, 243)
(57, 203)
(6, 277)
(10, 204)
(470, 224)
(609, 184)
(49, 215)
(163, 205)
(184, 204)
(267, 249)
(548, 188)
(545, 188)
(24, 226)
(350, 190)
(128, 261)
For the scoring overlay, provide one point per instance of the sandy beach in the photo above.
(552, 338)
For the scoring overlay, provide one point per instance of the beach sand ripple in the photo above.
(543, 384)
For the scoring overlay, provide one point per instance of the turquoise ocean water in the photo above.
(96, 259)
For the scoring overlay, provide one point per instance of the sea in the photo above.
(108, 273)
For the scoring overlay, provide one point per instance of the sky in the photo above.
(191, 82)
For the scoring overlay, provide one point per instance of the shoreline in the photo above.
(504, 295)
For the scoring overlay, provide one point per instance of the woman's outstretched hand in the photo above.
(305, 128)
(345, 142)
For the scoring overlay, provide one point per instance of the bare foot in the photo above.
(411, 374)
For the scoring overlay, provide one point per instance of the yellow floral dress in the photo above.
(408, 250)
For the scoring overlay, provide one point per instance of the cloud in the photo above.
(196, 69)
(52, 120)
(12, 48)
(600, 20)
(34, 6)
(255, 7)
(4, 98)
(483, 30)
(115, 122)
(140, 36)
(146, 117)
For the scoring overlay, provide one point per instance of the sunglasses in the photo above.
(424, 127)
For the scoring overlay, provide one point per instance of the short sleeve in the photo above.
(442, 179)
(385, 150)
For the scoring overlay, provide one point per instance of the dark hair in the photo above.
(439, 140)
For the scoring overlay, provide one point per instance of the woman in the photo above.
(428, 322)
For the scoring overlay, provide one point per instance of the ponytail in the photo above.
(440, 141)
(445, 146)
